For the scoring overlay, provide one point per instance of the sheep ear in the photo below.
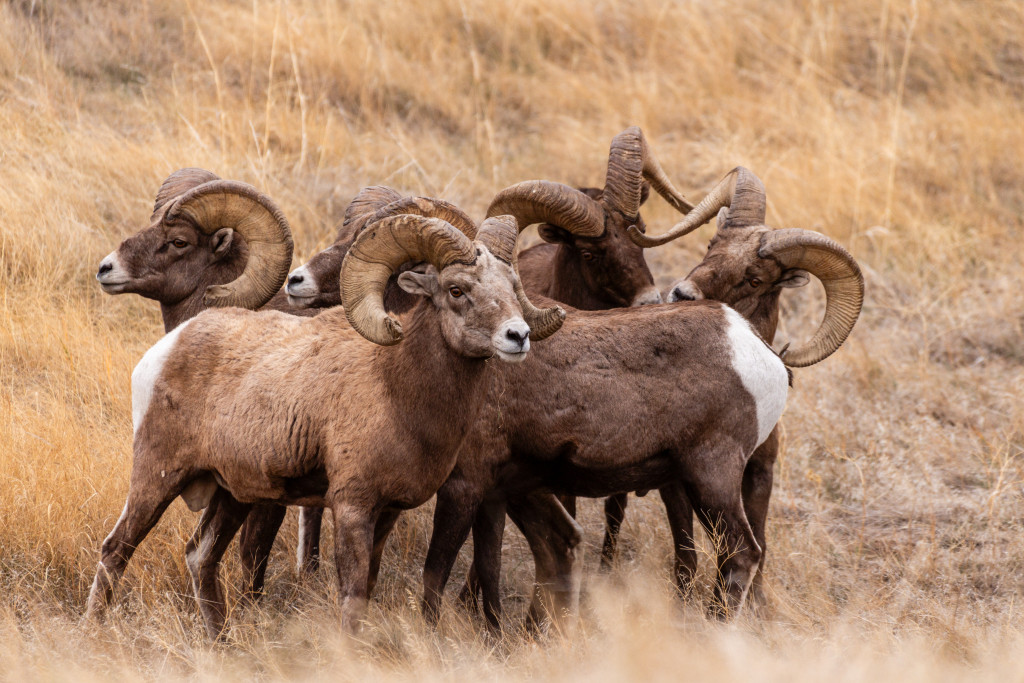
(723, 215)
(793, 278)
(221, 242)
(645, 192)
(554, 234)
(419, 284)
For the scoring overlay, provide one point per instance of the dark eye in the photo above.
(754, 282)
(455, 292)
(180, 244)
(587, 256)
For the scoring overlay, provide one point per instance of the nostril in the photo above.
(678, 294)
(516, 336)
(295, 280)
(105, 268)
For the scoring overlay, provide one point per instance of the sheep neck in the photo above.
(427, 380)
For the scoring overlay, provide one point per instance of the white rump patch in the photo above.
(146, 373)
(761, 371)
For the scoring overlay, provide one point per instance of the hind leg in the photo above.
(554, 537)
(148, 498)
(614, 513)
(203, 552)
(680, 521)
(255, 542)
(715, 488)
(757, 491)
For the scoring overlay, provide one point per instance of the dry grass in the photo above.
(898, 129)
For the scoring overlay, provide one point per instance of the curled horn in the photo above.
(178, 183)
(218, 204)
(363, 205)
(630, 161)
(740, 190)
(542, 201)
(377, 252)
(429, 208)
(499, 234)
(838, 272)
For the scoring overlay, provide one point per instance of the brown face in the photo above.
(612, 266)
(479, 312)
(734, 273)
(165, 262)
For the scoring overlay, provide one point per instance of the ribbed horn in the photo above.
(230, 204)
(740, 190)
(178, 183)
(381, 248)
(838, 272)
(542, 201)
(499, 234)
(630, 161)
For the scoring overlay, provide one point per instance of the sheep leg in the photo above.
(353, 545)
(757, 491)
(488, 530)
(471, 589)
(718, 500)
(614, 513)
(311, 520)
(255, 542)
(385, 523)
(680, 521)
(148, 498)
(454, 513)
(203, 552)
(553, 536)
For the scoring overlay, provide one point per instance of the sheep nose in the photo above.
(105, 267)
(678, 294)
(295, 280)
(517, 336)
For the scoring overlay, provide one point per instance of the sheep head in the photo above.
(472, 284)
(193, 243)
(315, 284)
(592, 223)
(748, 264)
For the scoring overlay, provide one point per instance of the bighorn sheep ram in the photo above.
(211, 243)
(587, 261)
(235, 407)
(190, 258)
(682, 403)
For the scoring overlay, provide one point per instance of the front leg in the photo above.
(311, 521)
(353, 546)
(457, 504)
(385, 523)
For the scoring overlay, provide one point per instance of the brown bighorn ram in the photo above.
(190, 258)
(197, 251)
(234, 407)
(746, 266)
(587, 262)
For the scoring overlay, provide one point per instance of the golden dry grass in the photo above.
(896, 128)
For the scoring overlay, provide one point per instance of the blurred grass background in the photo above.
(895, 127)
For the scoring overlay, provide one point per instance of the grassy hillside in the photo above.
(897, 128)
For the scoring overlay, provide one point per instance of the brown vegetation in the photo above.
(896, 128)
